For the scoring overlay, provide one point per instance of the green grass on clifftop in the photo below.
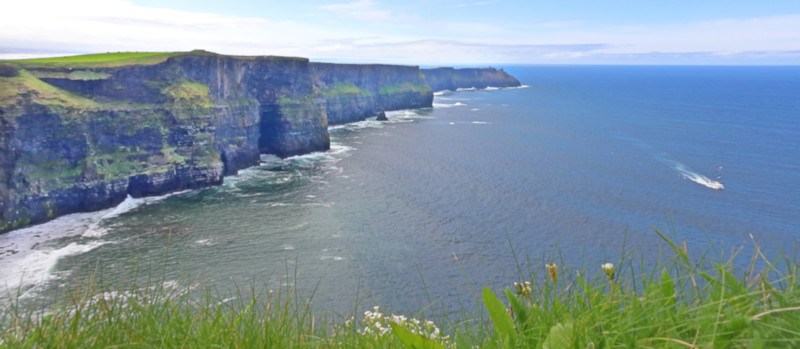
(405, 88)
(342, 89)
(99, 60)
(26, 85)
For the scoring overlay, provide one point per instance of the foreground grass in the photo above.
(681, 303)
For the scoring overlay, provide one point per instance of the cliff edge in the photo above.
(81, 133)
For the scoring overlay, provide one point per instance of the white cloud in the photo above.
(380, 35)
(479, 3)
(366, 11)
(114, 23)
(775, 33)
(444, 52)
(111, 25)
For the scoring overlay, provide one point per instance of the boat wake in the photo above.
(696, 177)
(683, 170)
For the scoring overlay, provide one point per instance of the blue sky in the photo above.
(432, 32)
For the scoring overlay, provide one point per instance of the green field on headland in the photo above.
(685, 302)
(111, 59)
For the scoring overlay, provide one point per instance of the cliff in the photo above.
(441, 79)
(81, 133)
(81, 137)
(354, 92)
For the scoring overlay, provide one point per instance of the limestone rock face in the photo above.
(441, 79)
(72, 144)
(354, 92)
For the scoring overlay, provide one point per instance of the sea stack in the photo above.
(382, 116)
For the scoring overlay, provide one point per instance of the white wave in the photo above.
(466, 89)
(337, 148)
(474, 109)
(515, 87)
(452, 123)
(94, 229)
(321, 204)
(336, 169)
(442, 93)
(358, 125)
(394, 116)
(451, 98)
(403, 114)
(247, 195)
(445, 105)
(247, 173)
(35, 267)
(480, 122)
(284, 180)
(267, 158)
(335, 152)
(335, 258)
(226, 300)
(310, 156)
(280, 204)
(491, 88)
(28, 255)
(205, 242)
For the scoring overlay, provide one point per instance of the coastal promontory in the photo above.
(441, 79)
(82, 133)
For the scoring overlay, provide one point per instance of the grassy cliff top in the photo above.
(117, 59)
(21, 81)
(39, 92)
(100, 60)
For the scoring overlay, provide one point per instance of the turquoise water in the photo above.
(579, 160)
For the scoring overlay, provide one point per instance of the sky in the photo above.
(431, 32)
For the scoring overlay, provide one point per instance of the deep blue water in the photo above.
(582, 159)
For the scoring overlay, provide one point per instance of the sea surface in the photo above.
(576, 166)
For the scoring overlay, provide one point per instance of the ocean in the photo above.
(577, 166)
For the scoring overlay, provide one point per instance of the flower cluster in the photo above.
(376, 325)
(523, 289)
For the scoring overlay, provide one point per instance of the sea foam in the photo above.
(446, 105)
(28, 256)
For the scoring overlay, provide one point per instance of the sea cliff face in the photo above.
(82, 137)
(354, 92)
(441, 79)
